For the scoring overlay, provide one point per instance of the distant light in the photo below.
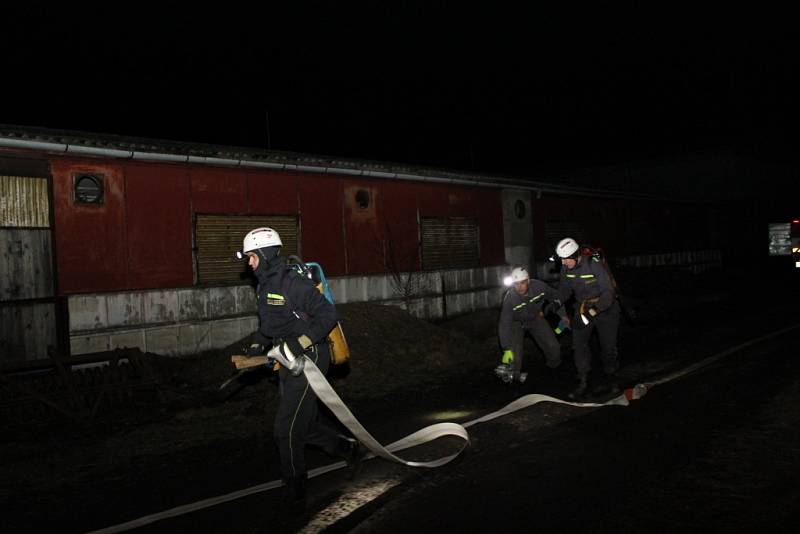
(796, 221)
(508, 281)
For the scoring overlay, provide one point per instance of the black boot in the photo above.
(294, 494)
(607, 385)
(353, 452)
(559, 375)
(580, 390)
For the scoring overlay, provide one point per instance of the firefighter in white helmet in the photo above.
(586, 278)
(295, 319)
(523, 310)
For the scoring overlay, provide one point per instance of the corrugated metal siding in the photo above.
(90, 238)
(218, 237)
(364, 229)
(401, 228)
(158, 227)
(450, 243)
(322, 222)
(23, 202)
(490, 220)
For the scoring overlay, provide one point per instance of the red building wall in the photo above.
(158, 226)
(489, 207)
(90, 238)
(218, 191)
(320, 200)
(271, 193)
(141, 236)
(399, 205)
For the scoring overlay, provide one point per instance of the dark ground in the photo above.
(188, 443)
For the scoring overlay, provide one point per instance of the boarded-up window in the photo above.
(218, 237)
(450, 243)
(557, 229)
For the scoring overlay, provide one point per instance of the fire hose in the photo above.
(327, 395)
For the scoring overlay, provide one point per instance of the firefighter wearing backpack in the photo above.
(587, 279)
(295, 319)
(523, 311)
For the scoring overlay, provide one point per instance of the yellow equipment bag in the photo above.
(340, 352)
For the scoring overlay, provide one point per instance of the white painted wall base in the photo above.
(190, 320)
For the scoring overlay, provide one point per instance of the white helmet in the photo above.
(518, 274)
(259, 238)
(567, 248)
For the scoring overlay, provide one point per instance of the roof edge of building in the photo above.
(68, 142)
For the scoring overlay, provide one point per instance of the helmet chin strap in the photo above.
(267, 254)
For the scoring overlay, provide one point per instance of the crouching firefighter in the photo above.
(523, 310)
(585, 277)
(295, 319)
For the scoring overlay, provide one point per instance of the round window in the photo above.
(88, 189)
(519, 209)
(362, 199)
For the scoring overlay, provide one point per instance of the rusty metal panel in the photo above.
(26, 330)
(400, 225)
(273, 192)
(450, 243)
(490, 221)
(26, 265)
(364, 233)
(434, 200)
(222, 191)
(24, 202)
(158, 226)
(323, 222)
(90, 238)
(218, 237)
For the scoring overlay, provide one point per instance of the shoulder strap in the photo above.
(285, 282)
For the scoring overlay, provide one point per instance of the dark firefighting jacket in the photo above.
(290, 306)
(526, 308)
(588, 282)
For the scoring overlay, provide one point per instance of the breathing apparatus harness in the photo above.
(587, 311)
(340, 352)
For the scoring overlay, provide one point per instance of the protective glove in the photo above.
(508, 356)
(591, 313)
(552, 307)
(299, 345)
(256, 349)
(563, 325)
(588, 311)
(284, 356)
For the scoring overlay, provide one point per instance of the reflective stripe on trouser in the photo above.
(606, 324)
(543, 336)
(297, 421)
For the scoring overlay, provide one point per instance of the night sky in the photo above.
(506, 90)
